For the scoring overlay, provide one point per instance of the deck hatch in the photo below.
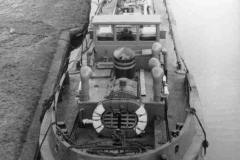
(122, 120)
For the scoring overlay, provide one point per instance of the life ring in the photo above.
(127, 115)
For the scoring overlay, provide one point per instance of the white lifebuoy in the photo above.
(97, 114)
(136, 107)
(142, 120)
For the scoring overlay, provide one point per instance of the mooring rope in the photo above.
(36, 155)
(205, 143)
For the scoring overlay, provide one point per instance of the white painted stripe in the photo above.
(142, 119)
(142, 83)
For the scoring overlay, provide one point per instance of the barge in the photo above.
(125, 92)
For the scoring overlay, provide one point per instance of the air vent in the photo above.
(120, 119)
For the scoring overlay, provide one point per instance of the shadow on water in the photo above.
(210, 35)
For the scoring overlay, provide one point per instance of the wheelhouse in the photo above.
(134, 31)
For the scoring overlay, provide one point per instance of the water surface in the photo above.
(210, 34)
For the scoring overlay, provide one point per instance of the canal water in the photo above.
(210, 35)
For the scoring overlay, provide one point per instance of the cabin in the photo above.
(137, 32)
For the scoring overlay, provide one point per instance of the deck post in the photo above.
(169, 138)
(165, 56)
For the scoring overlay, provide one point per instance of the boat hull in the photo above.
(187, 145)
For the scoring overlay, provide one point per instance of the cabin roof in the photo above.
(126, 19)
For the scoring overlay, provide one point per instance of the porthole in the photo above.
(176, 149)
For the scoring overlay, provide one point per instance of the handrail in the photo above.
(172, 36)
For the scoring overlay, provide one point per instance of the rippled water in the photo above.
(210, 34)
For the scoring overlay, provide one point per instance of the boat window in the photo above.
(147, 33)
(104, 33)
(126, 32)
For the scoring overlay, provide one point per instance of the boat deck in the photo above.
(67, 109)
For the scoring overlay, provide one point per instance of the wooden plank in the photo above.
(142, 83)
(104, 65)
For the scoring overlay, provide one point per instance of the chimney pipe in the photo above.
(157, 75)
(85, 74)
(156, 50)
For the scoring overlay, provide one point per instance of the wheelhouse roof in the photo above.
(126, 19)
